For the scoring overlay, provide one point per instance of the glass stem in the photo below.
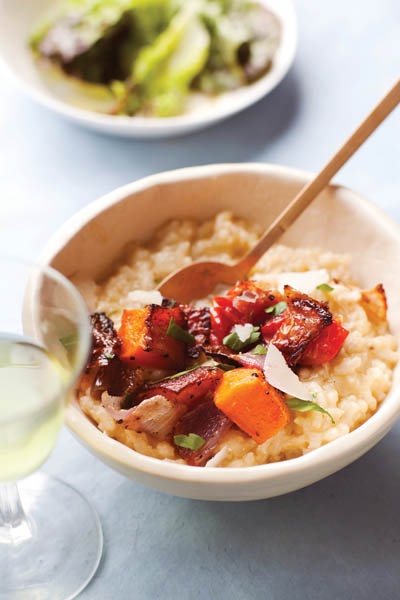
(14, 525)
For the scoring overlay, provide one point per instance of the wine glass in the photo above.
(50, 536)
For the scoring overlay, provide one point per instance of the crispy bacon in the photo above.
(104, 370)
(207, 421)
(305, 318)
(104, 338)
(188, 388)
(199, 325)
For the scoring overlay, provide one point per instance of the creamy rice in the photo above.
(350, 386)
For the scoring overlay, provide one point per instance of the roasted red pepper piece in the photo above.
(223, 317)
(250, 301)
(244, 303)
(187, 388)
(271, 326)
(326, 346)
(145, 342)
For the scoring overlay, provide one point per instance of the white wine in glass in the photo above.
(50, 537)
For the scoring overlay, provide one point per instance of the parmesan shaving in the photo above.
(281, 376)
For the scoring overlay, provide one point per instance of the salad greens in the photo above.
(151, 54)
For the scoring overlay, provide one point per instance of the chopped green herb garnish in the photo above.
(259, 349)
(192, 441)
(325, 287)
(109, 355)
(306, 405)
(179, 334)
(234, 342)
(277, 309)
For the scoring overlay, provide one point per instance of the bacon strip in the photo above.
(199, 325)
(305, 318)
(187, 388)
(207, 421)
(104, 370)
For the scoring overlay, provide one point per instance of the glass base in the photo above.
(59, 549)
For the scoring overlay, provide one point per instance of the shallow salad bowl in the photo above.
(87, 246)
(18, 17)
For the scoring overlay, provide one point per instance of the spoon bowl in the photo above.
(204, 276)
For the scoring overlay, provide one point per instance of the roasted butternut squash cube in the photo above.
(252, 403)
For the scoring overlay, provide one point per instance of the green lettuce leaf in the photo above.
(165, 70)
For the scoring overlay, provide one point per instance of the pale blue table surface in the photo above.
(337, 539)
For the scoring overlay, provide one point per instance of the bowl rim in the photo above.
(336, 453)
(157, 126)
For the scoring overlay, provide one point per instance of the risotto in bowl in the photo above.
(261, 388)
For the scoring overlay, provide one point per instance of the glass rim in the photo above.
(84, 329)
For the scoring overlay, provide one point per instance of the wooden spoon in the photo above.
(200, 278)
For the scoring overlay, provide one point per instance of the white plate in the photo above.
(17, 17)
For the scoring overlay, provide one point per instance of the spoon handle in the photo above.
(314, 187)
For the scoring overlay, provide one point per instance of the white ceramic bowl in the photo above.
(17, 17)
(339, 220)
